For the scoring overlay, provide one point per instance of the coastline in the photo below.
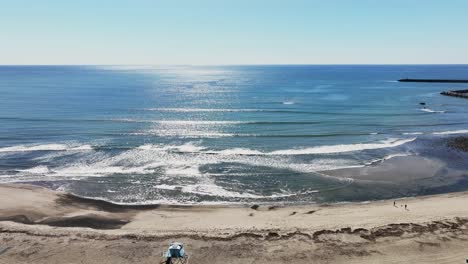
(45, 221)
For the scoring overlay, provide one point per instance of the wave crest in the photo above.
(344, 148)
(462, 131)
(427, 110)
(46, 147)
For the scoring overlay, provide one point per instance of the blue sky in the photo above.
(233, 32)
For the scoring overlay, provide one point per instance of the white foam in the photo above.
(146, 159)
(83, 147)
(185, 160)
(46, 147)
(391, 156)
(284, 195)
(431, 111)
(188, 147)
(238, 151)
(412, 133)
(343, 148)
(288, 102)
(210, 189)
(217, 191)
(183, 171)
(166, 187)
(96, 170)
(149, 147)
(177, 164)
(37, 170)
(463, 131)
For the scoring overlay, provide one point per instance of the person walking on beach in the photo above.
(406, 207)
(394, 203)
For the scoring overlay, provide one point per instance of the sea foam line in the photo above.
(431, 111)
(344, 147)
(462, 131)
(218, 191)
(46, 147)
(328, 149)
(190, 147)
(391, 156)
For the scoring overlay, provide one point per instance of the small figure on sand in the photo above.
(406, 207)
(394, 204)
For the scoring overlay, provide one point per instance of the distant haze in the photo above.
(234, 32)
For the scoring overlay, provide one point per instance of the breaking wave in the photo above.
(46, 147)
(431, 111)
(389, 143)
(462, 131)
(190, 168)
(329, 149)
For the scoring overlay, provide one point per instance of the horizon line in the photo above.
(253, 64)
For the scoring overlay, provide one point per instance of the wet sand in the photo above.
(43, 226)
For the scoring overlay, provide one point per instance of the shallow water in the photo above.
(215, 134)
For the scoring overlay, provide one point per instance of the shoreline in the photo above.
(424, 165)
(323, 233)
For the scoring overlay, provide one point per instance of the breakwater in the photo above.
(434, 80)
(456, 93)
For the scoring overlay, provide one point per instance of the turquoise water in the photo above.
(193, 134)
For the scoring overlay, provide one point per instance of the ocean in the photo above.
(216, 134)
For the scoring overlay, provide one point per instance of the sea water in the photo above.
(215, 134)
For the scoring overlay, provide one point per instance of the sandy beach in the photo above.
(233, 132)
(43, 226)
